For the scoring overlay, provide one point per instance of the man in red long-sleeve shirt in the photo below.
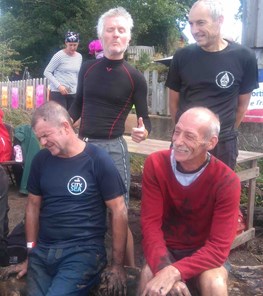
(190, 203)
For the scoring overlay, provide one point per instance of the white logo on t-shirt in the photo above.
(225, 79)
(77, 185)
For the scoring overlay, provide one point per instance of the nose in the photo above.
(43, 141)
(116, 33)
(194, 29)
(177, 138)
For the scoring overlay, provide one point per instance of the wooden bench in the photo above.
(249, 171)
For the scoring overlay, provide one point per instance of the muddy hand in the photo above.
(114, 278)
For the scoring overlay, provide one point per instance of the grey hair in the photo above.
(212, 119)
(51, 112)
(214, 6)
(114, 12)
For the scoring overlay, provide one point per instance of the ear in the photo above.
(212, 143)
(66, 126)
(221, 20)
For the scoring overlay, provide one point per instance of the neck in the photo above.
(190, 167)
(75, 147)
(218, 46)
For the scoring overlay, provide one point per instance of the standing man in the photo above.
(214, 73)
(190, 203)
(70, 186)
(107, 89)
(62, 71)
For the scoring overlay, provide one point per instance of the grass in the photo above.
(16, 117)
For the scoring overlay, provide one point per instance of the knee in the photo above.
(213, 283)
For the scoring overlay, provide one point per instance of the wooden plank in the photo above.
(151, 145)
(244, 156)
(243, 237)
(248, 174)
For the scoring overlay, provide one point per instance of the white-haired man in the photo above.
(107, 90)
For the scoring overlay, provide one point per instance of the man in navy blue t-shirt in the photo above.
(71, 184)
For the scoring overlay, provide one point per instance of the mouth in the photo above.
(180, 150)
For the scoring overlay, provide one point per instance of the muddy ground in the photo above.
(247, 260)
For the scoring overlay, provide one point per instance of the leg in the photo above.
(227, 152)
(69, 100)
(213, 282)
(4, 260)
(146, 276)
(118, 151)
(59, 98)
(78, 270)
(38, 278)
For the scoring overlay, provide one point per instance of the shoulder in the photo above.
(41, 159)
(159, 158)
(240, 49)
(184, 54)
(220, 170)
(136, 75)
(59, 54)
(89, 63)
(189, 49)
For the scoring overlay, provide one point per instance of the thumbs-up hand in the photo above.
(139, 133)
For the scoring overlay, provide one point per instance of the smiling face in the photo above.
(52, 137)
(115, 37)
(190, 141)
(205, 29)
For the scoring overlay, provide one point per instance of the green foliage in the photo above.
(8, 63)
(259, 187)
(38, 27)
(16, 117)
(137, 164)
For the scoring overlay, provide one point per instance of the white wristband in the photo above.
(30, 245)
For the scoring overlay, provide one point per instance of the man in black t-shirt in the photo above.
(213, 73)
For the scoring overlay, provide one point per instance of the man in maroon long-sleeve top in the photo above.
(189, 211)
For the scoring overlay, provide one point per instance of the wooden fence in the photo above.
(31, 93)
(25, 94)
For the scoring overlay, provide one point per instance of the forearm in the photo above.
(32, 222)
(173, 104)
(119, 235)
(243, 102)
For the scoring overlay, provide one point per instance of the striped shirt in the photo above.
(63, 70)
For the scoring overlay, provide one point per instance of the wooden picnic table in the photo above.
(247, 171)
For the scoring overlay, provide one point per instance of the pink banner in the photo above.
(15, 98)
(39, 95)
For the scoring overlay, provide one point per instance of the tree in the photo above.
(37, 27)
(8, 64)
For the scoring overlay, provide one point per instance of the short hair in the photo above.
(213, 126)
(214, 6)
(51, 112)
(114, 12)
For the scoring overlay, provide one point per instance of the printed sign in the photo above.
(255, 108)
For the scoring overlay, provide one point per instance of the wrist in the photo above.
(30, 245)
